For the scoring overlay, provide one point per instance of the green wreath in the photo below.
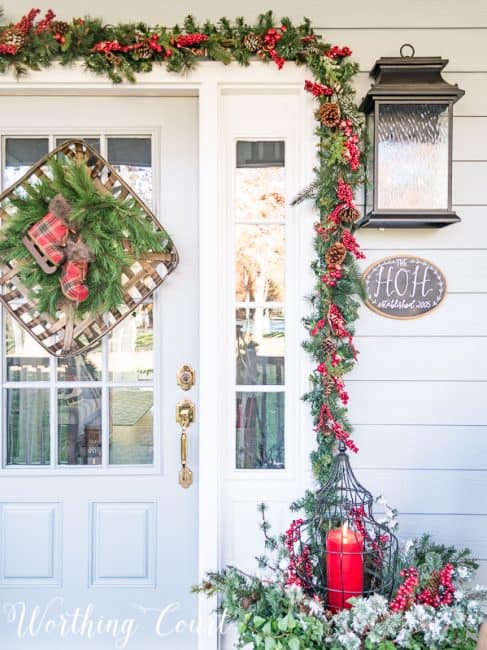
(104, 222)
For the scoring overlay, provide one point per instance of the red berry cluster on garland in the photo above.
(189, 40)
(44, 24)
(327, 424)
(107, 47)
(271, 39)
(332, 275)
(317, 90)
(27, 22)
(8, 49)
(352, 151)
(352, 245)
(336, 52)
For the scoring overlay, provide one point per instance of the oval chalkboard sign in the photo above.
(404, 286)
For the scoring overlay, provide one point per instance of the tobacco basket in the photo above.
(66, 335)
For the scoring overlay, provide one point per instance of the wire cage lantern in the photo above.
(358, 556)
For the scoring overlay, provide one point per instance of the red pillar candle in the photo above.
(344, 566)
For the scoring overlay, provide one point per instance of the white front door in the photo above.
(98, 541)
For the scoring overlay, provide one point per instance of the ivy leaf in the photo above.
(294, 643)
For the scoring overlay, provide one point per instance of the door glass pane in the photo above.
(27, 426)
(126, 357)
(20, 155)
(132, 158)
(131, 347)
(260, 345)
(259, 263)
(260, 194)
(79, 426)
(93, 142)
(412, 137)
(26, 359)
(260, 430)
(83, 367)
(131, 426)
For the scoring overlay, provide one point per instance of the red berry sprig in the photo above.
(299, 571)
(327, 424)
(26, 23)
(351, 153)
(405, 594)
(44, 24)
(189, 40)
(444, 594)
(336, 52)
(8, 49)
(317, 90)
(352, 245)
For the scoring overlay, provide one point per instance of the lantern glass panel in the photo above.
(412, 156)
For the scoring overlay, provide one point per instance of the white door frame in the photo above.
(207, 82)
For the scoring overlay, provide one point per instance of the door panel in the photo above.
(90, 447)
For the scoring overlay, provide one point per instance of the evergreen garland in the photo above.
(103, 221)
(124, 50)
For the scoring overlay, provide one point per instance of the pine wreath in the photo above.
(105, 223)
(79, 250)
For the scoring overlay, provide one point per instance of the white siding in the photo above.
(419, 392)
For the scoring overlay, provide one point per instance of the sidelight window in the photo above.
(260, 287)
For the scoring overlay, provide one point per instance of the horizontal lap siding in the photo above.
(352, 15)
(418, 396)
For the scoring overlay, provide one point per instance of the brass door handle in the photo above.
(185, 416)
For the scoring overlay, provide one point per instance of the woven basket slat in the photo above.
(139, 280)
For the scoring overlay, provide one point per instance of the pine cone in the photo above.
(329, 346)
(114, 59)
(252, 42)
(434, 583)
(329, 114)
(143, 52)
(13, 36)
(312, 49)
(328, 385)
(336, 254)
(349, 215)
(59, 27)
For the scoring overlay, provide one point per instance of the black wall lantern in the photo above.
(409, 111)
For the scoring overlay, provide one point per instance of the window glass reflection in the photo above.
(28, 433)
(259, 263)
(25, 359)
(131, 426)
(260, 430)
(79, 426)
(260, 345)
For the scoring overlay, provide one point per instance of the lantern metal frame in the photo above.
(399, 81)
(344, 501)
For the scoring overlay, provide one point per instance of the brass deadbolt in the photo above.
(186, 377)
